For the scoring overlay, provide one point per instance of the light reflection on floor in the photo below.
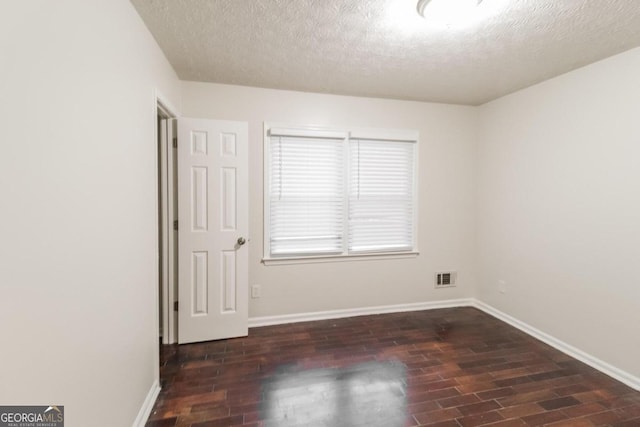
(368, 394)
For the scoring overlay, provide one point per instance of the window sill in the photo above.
(338, 258)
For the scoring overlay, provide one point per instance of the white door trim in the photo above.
(167, 242)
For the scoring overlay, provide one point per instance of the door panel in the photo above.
(213, 216)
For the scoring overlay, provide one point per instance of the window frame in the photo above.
(402, 135)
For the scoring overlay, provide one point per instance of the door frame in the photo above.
(167, 239)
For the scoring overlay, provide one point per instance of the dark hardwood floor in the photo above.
(449, 367)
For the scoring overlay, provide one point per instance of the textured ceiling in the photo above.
(382, 48)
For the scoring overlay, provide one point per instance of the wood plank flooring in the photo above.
(451, 367)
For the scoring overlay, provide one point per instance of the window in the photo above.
(380, 195)
(339, 193)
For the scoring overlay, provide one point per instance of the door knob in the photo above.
(241, 241)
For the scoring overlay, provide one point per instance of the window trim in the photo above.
(403, 135)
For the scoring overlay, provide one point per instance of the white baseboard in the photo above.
(352, 312)
(147, 406)
(607, 369)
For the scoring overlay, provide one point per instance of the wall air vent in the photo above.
(445, 279)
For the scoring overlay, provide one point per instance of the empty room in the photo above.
(320, 213)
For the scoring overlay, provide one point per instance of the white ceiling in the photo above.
(382, 48)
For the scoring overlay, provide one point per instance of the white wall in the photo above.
(78, 227)
(559, 208)
(447, 198)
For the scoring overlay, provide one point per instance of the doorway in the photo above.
(167, 212)
(203, 179)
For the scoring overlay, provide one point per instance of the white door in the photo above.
(213, 226)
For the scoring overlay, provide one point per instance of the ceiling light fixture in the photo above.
(447, 12)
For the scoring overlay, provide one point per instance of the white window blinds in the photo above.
(331, 195)
(306, 194)
(381, 196)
